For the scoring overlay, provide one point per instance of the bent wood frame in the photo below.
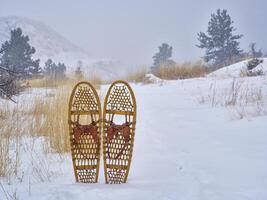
(74, 149)
(132, 115)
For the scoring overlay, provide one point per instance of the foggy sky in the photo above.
(131, 31)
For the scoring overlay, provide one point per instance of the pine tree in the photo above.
(162, 57)
(221, 45)
(60, 71)
(17, 54)
(48, 68)
(54, 71)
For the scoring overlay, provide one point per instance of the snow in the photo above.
(183, 150)
(153, 79)
(236, 69)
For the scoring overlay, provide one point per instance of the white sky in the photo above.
(131, 31)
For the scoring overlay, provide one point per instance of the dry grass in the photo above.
(11, 132)
(50, 115)
(95, 80)
(181, 71)
(50, 119)
(242, 99)
(49, 83)
(168, 72)
(4, 156)
(42, 116)
(137, 76)
(43, 82)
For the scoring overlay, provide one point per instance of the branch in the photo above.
(7, 96)
(7, 83)
(14, 73)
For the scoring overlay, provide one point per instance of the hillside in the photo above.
(50, 44)
(235, 70)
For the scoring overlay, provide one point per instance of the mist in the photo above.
(130, 31)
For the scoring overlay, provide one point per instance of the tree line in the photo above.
(17, 64)
(220, 43)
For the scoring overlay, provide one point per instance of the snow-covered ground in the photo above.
(235, 70)
(186, 148)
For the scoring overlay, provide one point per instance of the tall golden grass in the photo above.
(181, 71)
(49, 83)
(10, 135)
(46, 115)
(172, 71)
(44, 82)
(137, 76)
(49, 118)
(4, 150)
(50, 115)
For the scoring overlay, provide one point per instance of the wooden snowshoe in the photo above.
(84, 127)
(119, 118)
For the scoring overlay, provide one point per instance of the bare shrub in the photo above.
(245, 72)
(253, 63)
(9, 86)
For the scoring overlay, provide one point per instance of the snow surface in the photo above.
(183, 150)
(236, 69)
(153, 79)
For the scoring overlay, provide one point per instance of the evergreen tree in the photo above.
(162, 57)
(48, 68)
(221, 45)
(17, 54)
(54, 71)
(60, 71)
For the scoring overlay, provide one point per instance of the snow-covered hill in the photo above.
(236, 69)
(50, 44)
